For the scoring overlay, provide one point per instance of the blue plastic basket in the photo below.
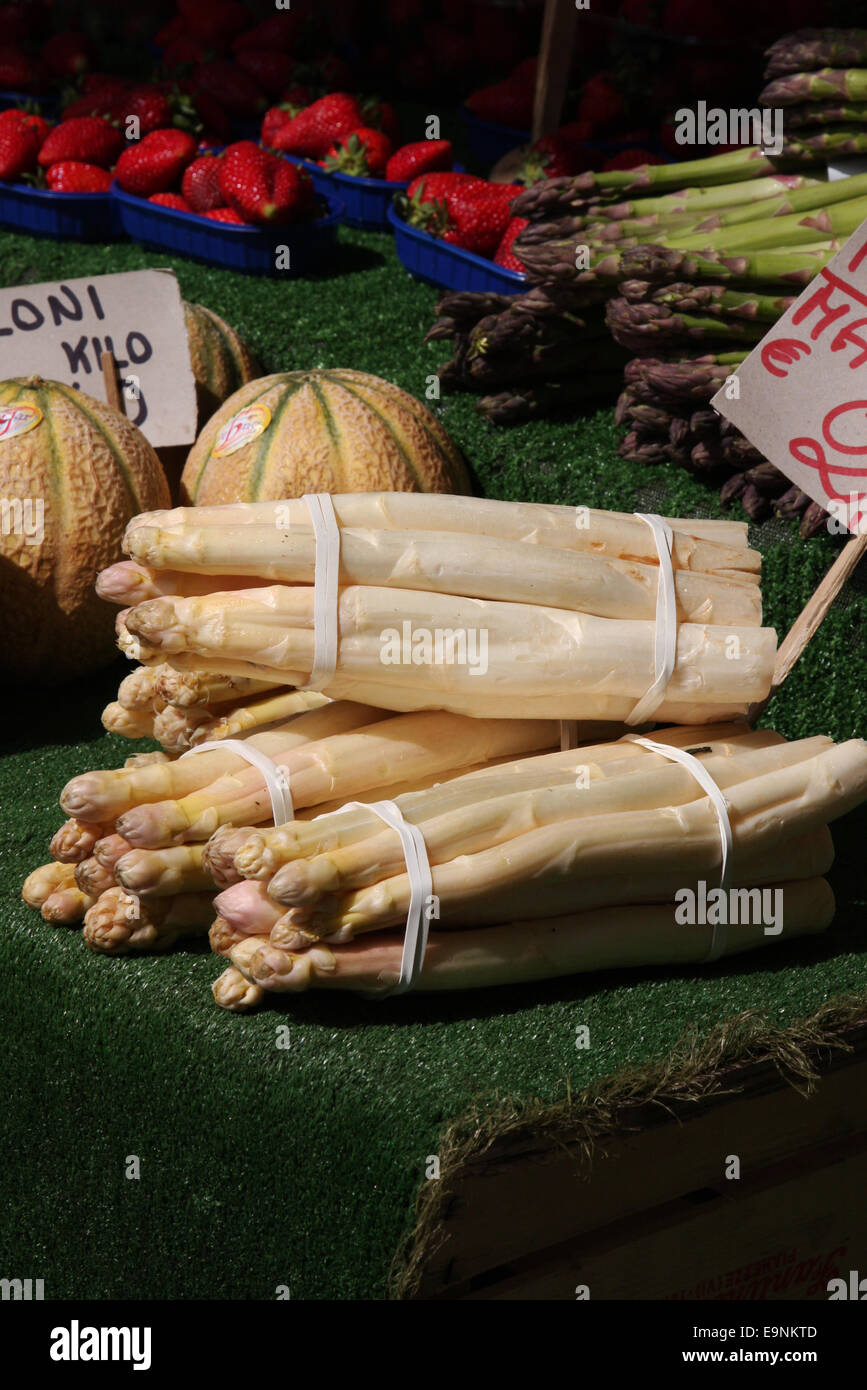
(488, 140)
(39, 211)
(251, 250)
(366, 201)
(440, 263)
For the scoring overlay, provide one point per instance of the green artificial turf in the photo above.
(261, 1166)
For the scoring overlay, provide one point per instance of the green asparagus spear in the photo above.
(809, 49)
(828, 84)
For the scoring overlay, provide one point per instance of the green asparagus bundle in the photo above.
(811, 49)
(571, 851)
(657, 328)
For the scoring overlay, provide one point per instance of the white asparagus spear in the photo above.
(118, 922)
(128, 583)
(93, 878)
(107, 794)
(137, 690)
(699, 544)
(67, 906)
(76, 839)
(442, 562)
(131, 646)
(175, 728)
(109, 849)
(162, 873)
(129, 723)
(47, 879)
(564, 659)
(478, 826)
(190, 689)
(274, 707)
(521, 952)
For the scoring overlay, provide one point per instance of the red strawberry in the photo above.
(171, 200)
(185, 50)
(269, 67)
(151, 107)
(363, 153)
(427, 193)
(156, 163)
(226, 215)
(274, 120)
(201, 184)
(216, 126)
(73, 176)
(20, 137)
(600, 102)
(505, 256)
(213, 20)
(453, 52)
(19, 72)
(631, 159)
(420, 157)
(314, 130)
(89, 139)
(261, 186)
(277, 33)
(232, 87)
(477, 217)
(381, 115)
(66, 55)
(556, 155)
(506, 103)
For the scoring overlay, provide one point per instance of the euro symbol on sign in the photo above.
(782, 352)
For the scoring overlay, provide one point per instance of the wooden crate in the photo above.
(658, 1218)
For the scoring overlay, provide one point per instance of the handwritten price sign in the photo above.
(801, 395)
(59, 331)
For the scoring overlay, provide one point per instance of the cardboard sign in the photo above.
(802, 392)
(59, 331)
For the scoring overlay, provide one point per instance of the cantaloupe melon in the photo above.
(320, 431)
(73, 471)
(220, 359)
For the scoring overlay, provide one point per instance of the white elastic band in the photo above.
(665, 638)
(276, 778)
(665, 644)
(326, 534)
(421, 888)
(720, 806)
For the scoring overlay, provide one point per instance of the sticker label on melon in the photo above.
(18, 419)
(250, 422)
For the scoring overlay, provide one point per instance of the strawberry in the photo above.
(506, 103)
(184, 51)
(261, 186)
(315, 129)
(226, 215)
(150, 105)
(421, 157)
(232, 87)
(18, 72)
(216, 126)
(600, 102)
(453, 52)
(275, 118)
(170, 200)
(156, 163)
(426, 194)
(561, 153)
(73, 176)
(90, 139)
(20, 137)
(381, 115)
(631, 159)
(66, 55)
(278, 33)
(478, 217)
(270, 68)
(363, 153)
(216, 21)
(201, 184)
(504, 255)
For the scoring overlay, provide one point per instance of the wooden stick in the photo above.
(812, 616)
(113, 393)
(555, 56)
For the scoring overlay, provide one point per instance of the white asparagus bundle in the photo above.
(511, 609)
(76, 840)
(569, 665)
(515, 952)
(160, 873)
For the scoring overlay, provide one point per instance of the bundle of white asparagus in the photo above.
(504, 609)
(132, 859)
(545, 866)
